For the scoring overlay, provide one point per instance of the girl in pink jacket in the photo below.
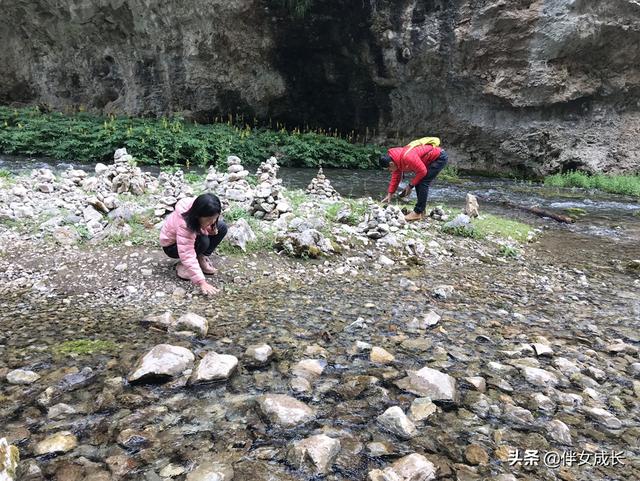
(191, 233)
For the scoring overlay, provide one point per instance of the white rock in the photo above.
(430, 383)
(316, 452)
(542, 350)
(214, 367)
(163, 361)
(559, 432)
(192, 322)
(285, 411)
(421, 408)
(427, 320)
(239, 233)
(539, 377)
(380, 356)
(22, 376)
(259, 354)
(395, 421)
(414, 467)
(211, 471)
(603, 417)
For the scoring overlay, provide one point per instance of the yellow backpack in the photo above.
(435, 141)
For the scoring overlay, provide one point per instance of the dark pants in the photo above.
(422, 189)
(205, 244)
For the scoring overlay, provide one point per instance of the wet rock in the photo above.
(309, 369)
(443, 292)
(9, 458)
(162, 321)
(421, 409)
(132, 439)
(477, 382)
(380, 356)
(539, 377)
(162, 362)
(60, 411)
(214, 367)
(380, 448)
(171, 471)
(300, 385)
(395, 421)
(430, 383)
(475, 455)
(471, 207)
(559, 432)
(121, 465)
(258, 355)
(426, 321)
(192, 322)
(61, 442)
(316, 453)
(518, 416)
(413, 467)
(240, 233)
(22, 376)
(77, 380)
(603, 417)
(285, 411)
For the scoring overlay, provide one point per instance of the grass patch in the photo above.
(235, 213)
(296, 198)
(264, 242)
(493, 225)
(84, 346)
(616, 184)
(5, 174)
(508, 252)
(463, 231)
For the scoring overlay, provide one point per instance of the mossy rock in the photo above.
(84, 346)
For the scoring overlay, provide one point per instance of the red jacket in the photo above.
(411, 160)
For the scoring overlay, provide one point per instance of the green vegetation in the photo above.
(489, 225)
(508, 251)
(5, 174)
(298, 8)
(296, 198)
(616, 184)
(84, 137)
(449, 174)
(84, 346)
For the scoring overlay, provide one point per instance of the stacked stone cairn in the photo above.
(174, 189)
(321, 187)
(268, 202)
(122, 176)
(231, 186)
(379, 221)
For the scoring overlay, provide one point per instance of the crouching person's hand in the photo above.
(207, 289)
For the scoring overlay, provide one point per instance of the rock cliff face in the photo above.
(536, 86)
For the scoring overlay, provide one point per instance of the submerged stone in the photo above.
(285, 411)
(430, 383)
(162, 362)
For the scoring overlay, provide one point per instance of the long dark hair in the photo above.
(205, 205)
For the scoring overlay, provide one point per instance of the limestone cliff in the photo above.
(530, 85)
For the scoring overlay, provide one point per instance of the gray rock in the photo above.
(285, 411)
(413, 467)
(192, 322)
(430, 383)
(518, 416)
(603, 417)
(539, 377)
(316, 453)
(214, 367)
(258, 355)
(395, 421)
(211, 471)
(163, 361)
(240, 233)
(461, 221)
(471, 207)
(22, 376)
(421, 408)
(559, 432)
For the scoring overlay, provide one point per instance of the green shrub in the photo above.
(167, 142)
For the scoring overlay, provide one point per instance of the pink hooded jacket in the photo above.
(175, 231)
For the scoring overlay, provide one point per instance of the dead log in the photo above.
(540, 212)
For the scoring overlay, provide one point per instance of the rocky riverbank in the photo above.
(345, 343)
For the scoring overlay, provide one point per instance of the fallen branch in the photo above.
(540, 212)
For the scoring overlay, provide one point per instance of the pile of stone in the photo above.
(321, 187)
(174, 188)
(438, 213)
(121, 177)
(379, 221)
(268, 201)
(304, 239)
(231, 186)
(44, 180)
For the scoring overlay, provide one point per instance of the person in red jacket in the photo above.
(425, 161)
